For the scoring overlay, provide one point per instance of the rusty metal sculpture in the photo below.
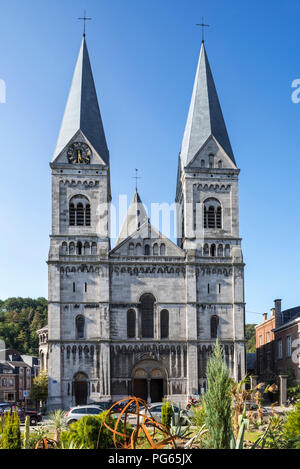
(145, 428)
(46, 443)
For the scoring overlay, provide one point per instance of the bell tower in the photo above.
(79, 245)
(208, 224)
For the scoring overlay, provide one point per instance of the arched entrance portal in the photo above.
(80, 388)
(149, 381)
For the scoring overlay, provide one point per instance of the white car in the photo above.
(155, 409)
(75, 413)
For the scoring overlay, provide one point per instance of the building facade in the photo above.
(17, 372)
(265, 348)
(142, 317)
(277, 344)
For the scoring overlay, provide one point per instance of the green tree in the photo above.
(39, 390)
(250, 338)
(218, 401)
(20, 318)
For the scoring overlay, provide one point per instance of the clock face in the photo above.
(79, 153)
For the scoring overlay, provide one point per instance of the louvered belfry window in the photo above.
(147, 313)
(212, 214)
(88, 215)
(79, 211)
(72, 215)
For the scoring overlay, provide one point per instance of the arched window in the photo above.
(147, 250)
(220, 250)
(79, 211)
(71, 248)
(87, 249)
(94, 249)
(138, 249)
(205, 250)
(155, 249)
(79, 327)
(214, 323)
(164, 324)
(130, 323)
(202, 163)
(162, 249)
(220, 164)
(227, 250)
(131, 249)
(147, 313)
(212, 214)
(79, 248)
(213, 250)
(64, 248)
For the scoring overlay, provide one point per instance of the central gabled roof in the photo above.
(82, 110)
(205, 117)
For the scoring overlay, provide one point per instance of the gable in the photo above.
(211, 153)
(147, 235)
(62, 158)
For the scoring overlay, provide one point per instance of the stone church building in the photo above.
(141, 317)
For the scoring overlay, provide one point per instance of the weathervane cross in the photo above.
(136, 177)
(84, 19)
(203, 26)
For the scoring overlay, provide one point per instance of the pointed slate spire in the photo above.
(205, 116)
(135, 218)
(82, 110)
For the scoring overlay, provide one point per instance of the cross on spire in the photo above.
(84, 19)
(136, 177)
(203, 26)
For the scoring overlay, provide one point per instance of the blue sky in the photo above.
(144, 55)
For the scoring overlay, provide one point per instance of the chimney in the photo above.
(272, 310)
(278, 321)
(265, 316)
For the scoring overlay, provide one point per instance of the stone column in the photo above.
(283, 389)
(148, 391)
(253, 381)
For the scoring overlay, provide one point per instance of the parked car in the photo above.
(76, 413)
(106, 405)
(155, 409)
(34, 416)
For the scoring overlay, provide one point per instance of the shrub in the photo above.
(166, 413)
(198, 418)
(294, 392)
(90, 433)
(11, 434)
(217, 401)
(291, 428)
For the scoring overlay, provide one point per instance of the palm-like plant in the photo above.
(58, 422)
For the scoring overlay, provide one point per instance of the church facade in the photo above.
(142, 317)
